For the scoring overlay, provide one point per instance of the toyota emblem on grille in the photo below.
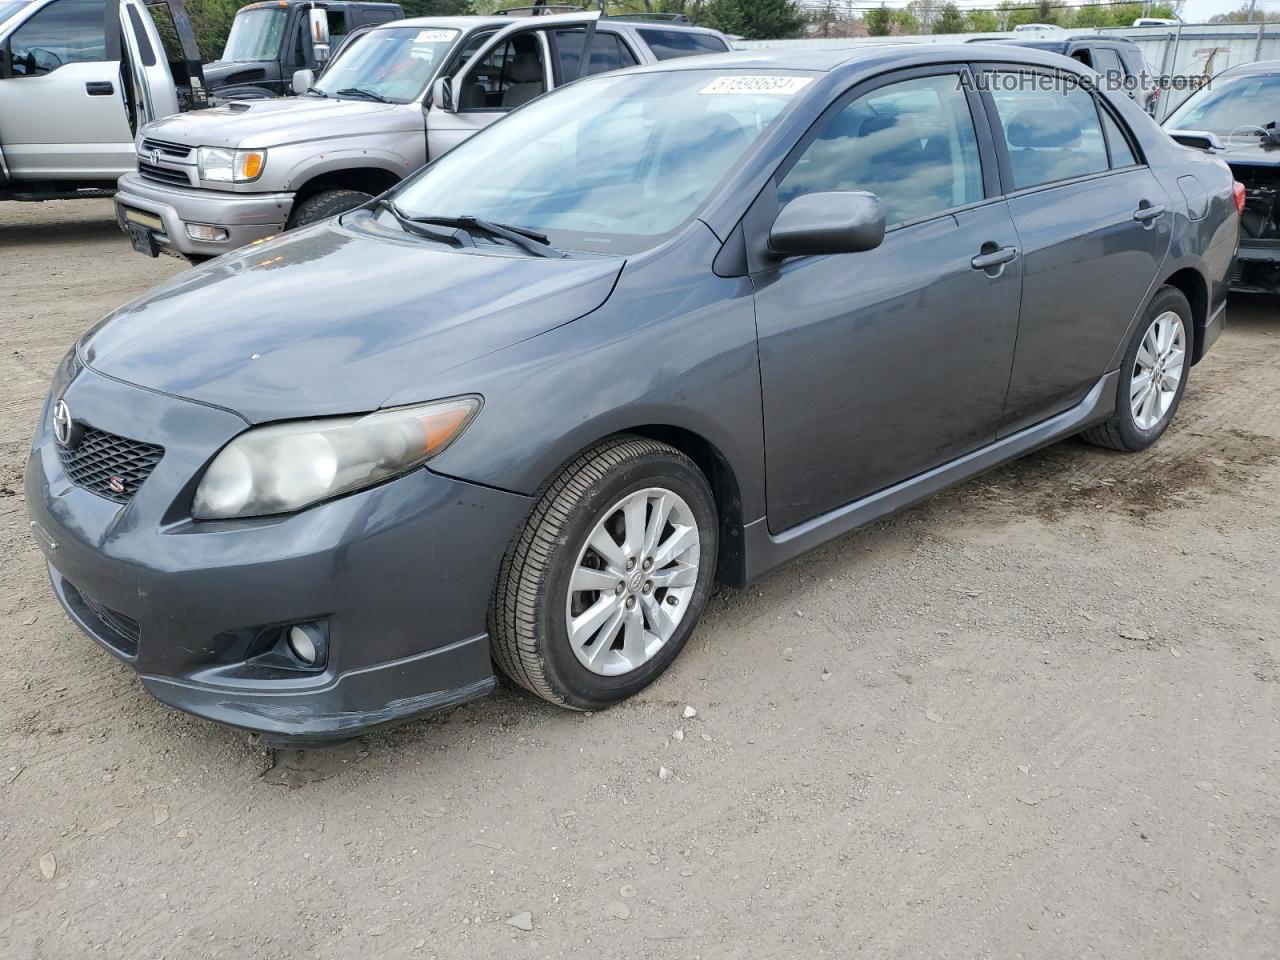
(62, 423)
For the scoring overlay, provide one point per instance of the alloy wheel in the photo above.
(1158, 370)
(633, 581)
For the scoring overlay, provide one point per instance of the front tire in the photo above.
(1153, 376)
(324, 205)
(604, 583)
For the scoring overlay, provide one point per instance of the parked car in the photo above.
(400, 94)
(1235, 117)
(77, 80)
(1120, 62)
(271, 40)
(660, 327)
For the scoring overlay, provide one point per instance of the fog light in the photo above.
(202, 231)
(306, 642)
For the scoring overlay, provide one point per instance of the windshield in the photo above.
(255, 35)
(392, 64)
(608, 164)
(1230, 104)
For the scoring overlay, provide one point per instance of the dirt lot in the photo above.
(1038, 716)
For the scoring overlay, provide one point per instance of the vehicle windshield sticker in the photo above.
(784, 86)
(435, 36)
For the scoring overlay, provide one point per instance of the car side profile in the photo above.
(695, 319)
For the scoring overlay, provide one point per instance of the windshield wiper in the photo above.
(315, 92)
(410, 225)
(530, 241)
(362, 92)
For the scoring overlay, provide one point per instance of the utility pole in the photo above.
(1252, 5)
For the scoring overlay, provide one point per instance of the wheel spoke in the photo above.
(633, 647)
(585, 578)
(1170, 380)
(1149, 408)
(657, 522)
(664, 624)
(588, 622)
(676, 575)
(681, 539)
(1174, 361)
(633, 515)
(1139, 385)
(602, 542)
(1149, 350)
(607, 635)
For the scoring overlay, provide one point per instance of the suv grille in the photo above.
(110, 466)
(173, 151)
(172, 178)
(119, 631)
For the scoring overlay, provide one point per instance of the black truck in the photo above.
(270, 40)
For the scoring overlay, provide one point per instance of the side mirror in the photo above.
(318, 23)
(303, 80)
(819, 223)
(442, 95)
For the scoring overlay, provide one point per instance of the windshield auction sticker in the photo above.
(435, 36)
(783, 86)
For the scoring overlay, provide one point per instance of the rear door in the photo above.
(1094, 226)
(63, 112)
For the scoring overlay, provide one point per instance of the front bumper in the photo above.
(401, 574)
(245, 217)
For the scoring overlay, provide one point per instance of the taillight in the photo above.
(1237, 192)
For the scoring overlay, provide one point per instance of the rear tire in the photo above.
(554, 578)
(324, 205)
(1159, 354)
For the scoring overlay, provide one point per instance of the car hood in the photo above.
(274, 123)
(336, 320)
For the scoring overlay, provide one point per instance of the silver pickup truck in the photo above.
(390, 99)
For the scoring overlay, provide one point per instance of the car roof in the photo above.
(1261, 66)
(886, 55)
(466, 22)
(1061, 43)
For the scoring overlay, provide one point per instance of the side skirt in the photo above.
(764, 550)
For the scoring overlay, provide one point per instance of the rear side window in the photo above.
(669, 44)
(69, 31)
(912, 144)
(608, 52)
(1050, 127)
(1121, 152)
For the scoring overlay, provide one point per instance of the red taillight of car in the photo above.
(1237, 192)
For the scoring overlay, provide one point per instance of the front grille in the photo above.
(110, 466)
(118, 631)
(172, 178)
(173, 151)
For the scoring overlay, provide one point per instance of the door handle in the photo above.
(985, 261)
(99, 88)
(1147, 212)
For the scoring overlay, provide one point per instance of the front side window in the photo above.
(511, 74)
(610, 164)
(669, 44)
(69, 31)
(390, 63)
(255, 34)
(1050, 126)
(912, 144)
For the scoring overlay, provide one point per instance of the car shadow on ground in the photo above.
(88, 229)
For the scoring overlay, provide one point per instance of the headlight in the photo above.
(223, 165)
(286, 466)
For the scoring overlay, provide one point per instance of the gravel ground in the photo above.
(1034, 717)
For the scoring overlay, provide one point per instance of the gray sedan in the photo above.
(655, 329)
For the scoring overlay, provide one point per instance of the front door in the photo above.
(63, 110)
(877, 366)
(1095, 226)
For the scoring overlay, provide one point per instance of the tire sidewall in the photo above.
(581, 687)
(324, 205)
(1135, 438)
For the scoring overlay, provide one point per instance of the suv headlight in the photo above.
(284, 467)
(223, 165)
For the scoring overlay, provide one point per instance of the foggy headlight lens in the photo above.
(221, 165)
(287, 466)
